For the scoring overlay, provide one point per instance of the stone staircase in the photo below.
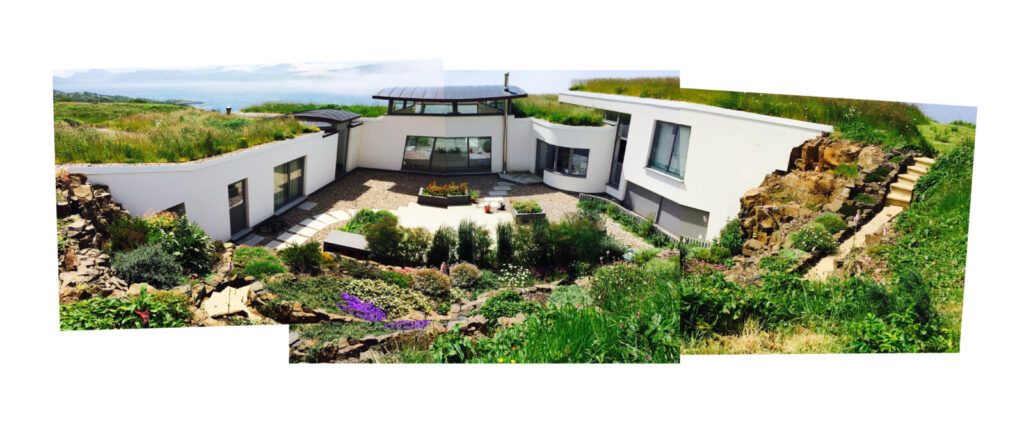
(901, 192)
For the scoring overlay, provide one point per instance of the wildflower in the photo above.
(501, 360)
(512, 361)
(144, 314)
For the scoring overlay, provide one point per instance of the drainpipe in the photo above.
(504, 132)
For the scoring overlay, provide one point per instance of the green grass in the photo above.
(366, 111)
(946, 137)
(157, 133)
(325, 332)
(891, 124)
(547, 107)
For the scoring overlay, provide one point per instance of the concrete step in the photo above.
(902, 186)
(909, 177)
(898, 199)
(501, 188)
(924, 161)
(918, 169)
(497, 193)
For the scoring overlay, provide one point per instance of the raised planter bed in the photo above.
(442, 201)
(527, 217)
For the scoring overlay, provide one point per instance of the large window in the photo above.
(447, 108)
(668, 151)
(288, 182)
(447, 154)
(564, 161)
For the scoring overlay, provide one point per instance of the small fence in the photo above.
(639, 219)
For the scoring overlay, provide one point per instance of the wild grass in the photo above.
(156, 133)
(366, 111)
(891, 124)
(547, 107)
(946, 137)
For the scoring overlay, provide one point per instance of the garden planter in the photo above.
(441, 201)
(527, 217)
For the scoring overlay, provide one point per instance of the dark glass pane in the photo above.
(438, 108)
(480, 154)
(579, 162)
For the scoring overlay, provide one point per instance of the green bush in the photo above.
(813, 237)
(189, 245)
(363, 219)
(398, 279)
(465, 248)
(482, 253)
(879, 174)
(526, 206)
(464, 275)
(712, 255)
(645, 255)
(576, 238)
(145, 310)
(148, 264)
(262, 269)
(414, 246)
(504, 253)
(432, 283)
(731, 237)
(782, 261)
(895, 333)
(128, 233)
(710, 304)
(569, 295)
(357, 269)
(443, 247)
(538, 249)
(506, 303)
(302, 258)
(384, 240)
(833, 223)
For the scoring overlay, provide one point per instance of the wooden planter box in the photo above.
(443, 202)
(522, 218)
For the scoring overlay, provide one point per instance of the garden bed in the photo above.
(527, 212)
(444, 195)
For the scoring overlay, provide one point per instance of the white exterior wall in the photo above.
(203, 185)
(599, 140)
(729, 152)
(381, 141)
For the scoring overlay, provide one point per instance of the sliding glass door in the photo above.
(447, 154)
(288, 182)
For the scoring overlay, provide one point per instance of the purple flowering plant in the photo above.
(360, 309)
(406, 325)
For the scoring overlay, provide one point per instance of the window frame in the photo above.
(675, 147)
(551, 157)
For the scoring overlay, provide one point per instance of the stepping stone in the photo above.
(292, 238)
(252, 240)
(316, 225)
(274, 245)
(226, 302)
(505, 183)
(307, 232)
(340, 215)
(501, 188)
(306, 222)
(497, 193)
(325, 218)
(295, 229)
(307, 205)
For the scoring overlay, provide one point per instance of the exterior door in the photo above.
(539, 165)
(342, 160)
(238, 209)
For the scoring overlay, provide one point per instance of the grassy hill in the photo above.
(890, 124)
(366, 111)
(59, 96)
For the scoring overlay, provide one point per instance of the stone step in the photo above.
(909, 177)
(902, 186)
(497, 193)
(924, 161)
(252, 240)
(898, 199)
(501, 188)
(918, 169)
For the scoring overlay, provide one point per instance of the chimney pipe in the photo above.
(504, 131)
(228, 109)
(506, 82)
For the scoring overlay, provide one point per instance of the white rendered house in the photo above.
(686, 165)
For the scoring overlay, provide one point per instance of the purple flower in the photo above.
(360, 309)
(406, 325)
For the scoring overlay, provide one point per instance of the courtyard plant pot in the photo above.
(523, 218)
(442, 201)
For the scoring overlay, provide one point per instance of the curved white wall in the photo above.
(600, 142)
(203, 185)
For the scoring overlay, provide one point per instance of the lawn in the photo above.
(547, 107)
(891, 124)
(157, 133)
(366, 111)
(946, 137)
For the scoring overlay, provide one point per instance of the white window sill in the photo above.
(665, 175)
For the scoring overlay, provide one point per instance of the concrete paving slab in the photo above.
(316, 225)
(292, 238)
(340, 215)
(307, 232)
(274, 245)
(295, 229)
(307, 205)
(497, 193)
(252, 240)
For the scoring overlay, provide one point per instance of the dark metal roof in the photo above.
(450, 93)
(326, 115)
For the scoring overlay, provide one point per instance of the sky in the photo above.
(238, 86)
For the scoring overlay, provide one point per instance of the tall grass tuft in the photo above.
(366, 111)
(547, 107)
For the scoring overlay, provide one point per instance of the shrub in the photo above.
(506, 303)
(813, 237)
(189, 245)
(432, 282)
(576, 238)
(414, 247)
(834, 223)
(383, 240)
(526, 206)
(465, 247)
(846, 170)
(645, 255)
(614, 287)
(442, 248)
(358, 270)
(128, 233)
(482, 246)
(487, 282)
(569, 295)
(397, 279)
(731, 237)
(504, 253)
(262, 269)
(465, 275)
(895, 333)
(782, 261)
(148, 264)
(363, 219)
(538, 249)
(302, 258)
(712, 255)
(145, 310)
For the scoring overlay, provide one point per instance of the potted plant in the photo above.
(526, 211)
(444, 195)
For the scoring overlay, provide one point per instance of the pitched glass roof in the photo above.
(450, 93)
(325, 115)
